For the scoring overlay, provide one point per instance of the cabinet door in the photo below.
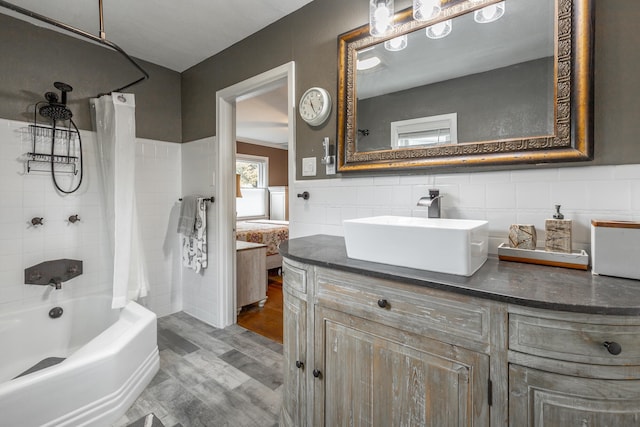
(538, 398)
(294, 399)
(375, 375)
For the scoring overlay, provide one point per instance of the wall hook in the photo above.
(36, 221)
(74, 218)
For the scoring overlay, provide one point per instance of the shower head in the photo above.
(57, 110)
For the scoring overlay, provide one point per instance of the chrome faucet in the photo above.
(432, 202)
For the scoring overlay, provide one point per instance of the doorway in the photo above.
(224, 176)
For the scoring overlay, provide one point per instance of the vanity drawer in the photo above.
(295, 278)
(577, 340)
(413, 308)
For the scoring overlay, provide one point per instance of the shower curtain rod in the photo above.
(101, 39)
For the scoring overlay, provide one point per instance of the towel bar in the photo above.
(209, 199)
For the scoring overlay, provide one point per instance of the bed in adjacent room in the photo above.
(268, 232)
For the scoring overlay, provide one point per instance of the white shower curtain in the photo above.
(115, 124)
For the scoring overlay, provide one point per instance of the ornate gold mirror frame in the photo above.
(573, 123)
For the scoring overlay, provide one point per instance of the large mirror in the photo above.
(458, 90)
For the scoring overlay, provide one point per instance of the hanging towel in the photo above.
(194, 246)
(188, 215)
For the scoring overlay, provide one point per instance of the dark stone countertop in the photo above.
(553, 288)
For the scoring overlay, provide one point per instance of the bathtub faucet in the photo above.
(55, 282)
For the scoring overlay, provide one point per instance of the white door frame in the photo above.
(224, 177)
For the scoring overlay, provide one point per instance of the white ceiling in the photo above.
(263, 119)
(172, 33)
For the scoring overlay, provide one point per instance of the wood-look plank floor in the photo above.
(211, 377)
(266, 321)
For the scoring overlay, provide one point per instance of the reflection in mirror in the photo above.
(496, 93)
(485, 82)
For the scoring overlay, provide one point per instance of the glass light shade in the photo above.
(424, 10)
(380, 17)
(439, 30)
(490, 13)
(396, 44)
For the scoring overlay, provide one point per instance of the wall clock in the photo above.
(315, 106)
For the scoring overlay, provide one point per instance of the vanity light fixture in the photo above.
(439, 30)
(490, 13)
(396, 44)
(424, 10)
(380, 17)
(367, 64)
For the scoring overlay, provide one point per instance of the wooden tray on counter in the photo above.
(578, 260)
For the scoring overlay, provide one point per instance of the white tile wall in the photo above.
(26, 195)
(158, 188)
(502, 198)
(200, 290)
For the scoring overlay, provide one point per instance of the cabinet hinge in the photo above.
(489, 392)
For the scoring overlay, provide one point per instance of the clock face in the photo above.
(315, 106)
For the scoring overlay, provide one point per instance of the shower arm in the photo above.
(77, 31)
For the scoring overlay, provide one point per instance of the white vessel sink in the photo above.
(453, 246)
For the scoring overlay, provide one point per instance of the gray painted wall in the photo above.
(309, 37)
(32, 58)
(508, 102)
(172, 108)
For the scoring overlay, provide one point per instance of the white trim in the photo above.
(225, 178)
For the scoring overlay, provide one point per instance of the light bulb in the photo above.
(380, 17)
(424, 10)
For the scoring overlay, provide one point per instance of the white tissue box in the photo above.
(615, 248)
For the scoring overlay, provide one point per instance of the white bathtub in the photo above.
(111, 356)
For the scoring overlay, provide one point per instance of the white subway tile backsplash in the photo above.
(500, 196)
(571, 195)
(490, 177)
(472, 196)
(594, 173)
(535, 175)
(610, 195)
(532, 195)
(500, 220)
(635, 197)
(626, 172)
(386, 180)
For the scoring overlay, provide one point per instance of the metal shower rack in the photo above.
(38, 158)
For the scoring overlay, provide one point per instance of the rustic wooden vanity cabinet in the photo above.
(570, 369)
(369, 349)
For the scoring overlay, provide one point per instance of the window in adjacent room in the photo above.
(254, 180)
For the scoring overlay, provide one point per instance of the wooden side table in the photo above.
(251, 273)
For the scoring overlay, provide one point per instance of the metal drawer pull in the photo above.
(613, 347)
(299, 364)
(383, 303)
(316, 373)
